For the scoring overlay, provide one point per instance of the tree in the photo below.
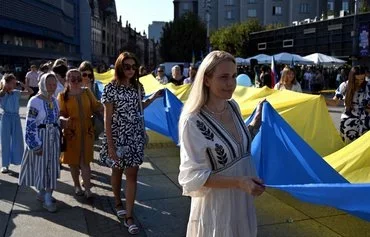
(235, 38)
(182, 37)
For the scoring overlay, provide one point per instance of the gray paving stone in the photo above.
(164, 217)
(166, 152)
(306, 228)
(271, 211)
(174, 178)
(347, 225)
(147, 168)
(66, 223)
(169, 164)
(308, 209)
(155, 187)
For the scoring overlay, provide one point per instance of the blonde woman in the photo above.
(77, 105)
(216, 168)
(288, 81)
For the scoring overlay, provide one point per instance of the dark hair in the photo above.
(66, 88)
(87, 66)
(351, 85)
(142, 70)
(120, 73)
(264, 68)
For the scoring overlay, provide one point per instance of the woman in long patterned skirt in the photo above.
(40, 164)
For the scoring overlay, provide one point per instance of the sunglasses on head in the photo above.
(90, 75)
(127, 67)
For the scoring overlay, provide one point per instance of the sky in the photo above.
(141, 13)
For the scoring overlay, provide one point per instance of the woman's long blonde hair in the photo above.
(199, 92)
(284, 76)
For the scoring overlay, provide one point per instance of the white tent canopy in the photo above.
(261, 58)
(240, 61)
(288, 58)
(322, 59)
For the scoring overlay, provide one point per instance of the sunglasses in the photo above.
(90, 75)
(76, 80)
(160, 70)
(127, 67)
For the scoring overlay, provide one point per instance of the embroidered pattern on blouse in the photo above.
(205, 131)
(221, 155)
(32, 138)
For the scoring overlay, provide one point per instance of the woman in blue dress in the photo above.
(40, 164)
(10, 122)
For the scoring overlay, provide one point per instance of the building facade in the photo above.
(223, 13)
(155, 30)
(332, 37)
(181, 7)
(41, 30)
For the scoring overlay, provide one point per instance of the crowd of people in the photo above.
(216, 169)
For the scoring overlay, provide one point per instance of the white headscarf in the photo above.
(42, 83)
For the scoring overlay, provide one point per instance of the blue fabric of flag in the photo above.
(282, 158)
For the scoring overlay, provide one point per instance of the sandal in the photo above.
(120, 212)
(132, 229)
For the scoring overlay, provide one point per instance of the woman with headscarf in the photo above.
(40, 164)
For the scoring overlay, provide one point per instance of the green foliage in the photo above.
(274, 26)
(364, 6)
(182, 37)
(235, 38)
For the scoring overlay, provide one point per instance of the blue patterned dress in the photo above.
(42, 132)
(11, 129)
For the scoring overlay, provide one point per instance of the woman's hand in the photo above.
(258, 116)
(158, 93)
(38, 152)
(251, 185)
(66, 122)
(112, 153)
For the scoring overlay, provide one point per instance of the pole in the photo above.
(208, 19)
(355, 36)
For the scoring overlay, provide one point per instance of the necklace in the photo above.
(216, 113)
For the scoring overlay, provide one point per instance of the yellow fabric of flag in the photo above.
(307, 114)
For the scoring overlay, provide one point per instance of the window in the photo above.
(252, 13)
(186, 6)
(276, 10)
(252, 1)
(229, 2)
(229, 15)
(330, 5)
(304, 8)
(262, 46)
(288, 43)
(345, 6)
